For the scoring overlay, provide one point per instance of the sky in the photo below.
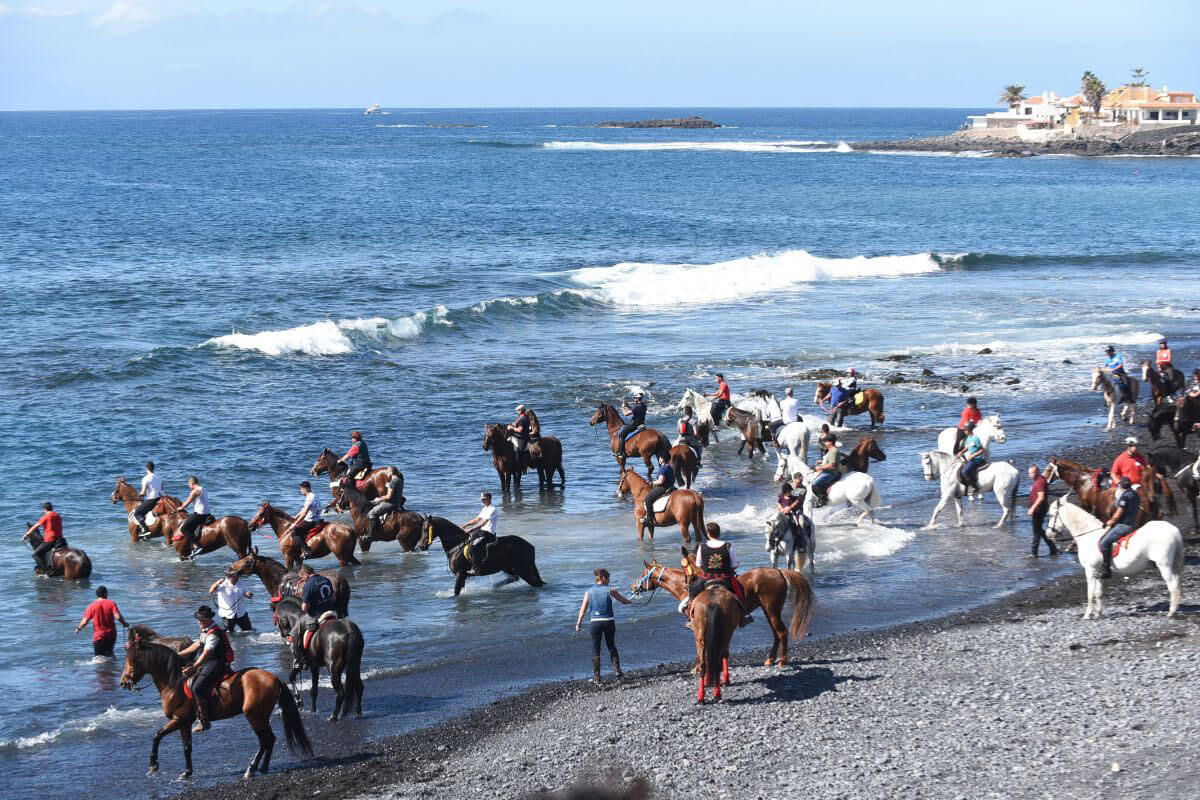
(152, 54)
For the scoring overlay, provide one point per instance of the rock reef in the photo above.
(677, 122)
(1182, 140)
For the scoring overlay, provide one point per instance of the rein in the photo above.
(644, 584)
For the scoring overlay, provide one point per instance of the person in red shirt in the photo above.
(970, 413)
(103, 614)
(721, 400)
(1129, 464)
(1039, 504)
(52, 538)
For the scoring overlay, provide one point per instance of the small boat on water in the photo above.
(375, 109)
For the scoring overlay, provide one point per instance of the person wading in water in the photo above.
(103, 614)
(603, 624)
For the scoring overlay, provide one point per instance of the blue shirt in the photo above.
(318, 595)
(664, 470)
(600, 603)
(1130, 504)
(1114, 362)
(837, 395)
(637, 413)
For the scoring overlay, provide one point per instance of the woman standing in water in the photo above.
(599, 598)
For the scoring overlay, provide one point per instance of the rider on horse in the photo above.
(52, 539)
(483, 528)
(664, 482)
(717, 563)
(519, 435)
(852, 381)
(721, 400)
(1121, 523)
(1114, 365)
(1130, 463)
(789, 412)
(971, 414)
(317, 596)
(790, 506)
(392, 500)
(637, 418)
(199, 515)
(357, 458)
(687, 432)
(974, 455)
(148, 498)
(839, 401)
(828, 470)
(212, 664)
(306, 519)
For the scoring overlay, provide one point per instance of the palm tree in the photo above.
(1012, 94)
(1093, 90)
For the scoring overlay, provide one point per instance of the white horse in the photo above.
(782, 542)
(1156, 542)
(1112, 397)
(792, 450)
(703, 407)
(988, 430)
(855, 489)
(999, 476)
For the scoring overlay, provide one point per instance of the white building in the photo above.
(1146, 106)
(1046, 110)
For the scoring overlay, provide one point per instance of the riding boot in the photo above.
(372, 529)
(746, 620)
(1107, 572)
(596, 669)
(202, 723)
(616, 662)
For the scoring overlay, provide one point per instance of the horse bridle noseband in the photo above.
(643, 584)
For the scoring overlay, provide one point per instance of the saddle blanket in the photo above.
(221, 683)
(660, 504)
(635, 432)
(860, 398)
(151, 518)
(316, 530)
(322, 621)
(179, 537)
(1119, 543)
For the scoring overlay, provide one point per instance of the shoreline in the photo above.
(1182, 140)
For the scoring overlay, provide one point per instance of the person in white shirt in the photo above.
(199, 515)
(149, 497)
(789, 409)
(483, 526)
(306, 518)
(231, 601)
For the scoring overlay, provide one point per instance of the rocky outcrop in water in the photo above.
(1181, 140)
(678, 122)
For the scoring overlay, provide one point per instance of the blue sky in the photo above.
(113, 54)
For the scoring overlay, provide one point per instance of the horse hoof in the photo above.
(768, 663)
(185, 775)
(332, 718)
(153, 769)
(248, 774)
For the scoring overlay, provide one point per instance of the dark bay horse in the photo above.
(505, 457)
(1169, 460)
(1187, 417)
(869, 400)
(69, 562)
(750, 426)
(684, 507)
(338, 646)
(545, 455)
(511, 555)
(1100, 501)
(389, 526)
(643, 444)
(1161, 416)
(327, 464)
(685, 464)
(229, 531)
(767, 588)
(860, 457)
(335, 539)
(281, 583)
(252, 693)
(161, 526)
(1162, 386)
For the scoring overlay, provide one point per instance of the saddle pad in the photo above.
(316, 530)
(860, 398)
(221, 683)
(1118, 544)
(151, 518)
(323, 620)
(660, 504)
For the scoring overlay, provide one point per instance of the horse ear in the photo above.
(645, 563)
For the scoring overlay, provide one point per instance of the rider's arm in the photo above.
(212, 589)
(582, 610)
(191, 496)
(191, 648)
(1116, 515)
(620, 598)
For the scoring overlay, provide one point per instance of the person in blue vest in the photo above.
(215, 654)
(316, 597)
(973, 454)
(637, 418)
(357, 458)
(1114, 365)
(1121, 523)
(603, 624)
(839, 400)
(664, 481)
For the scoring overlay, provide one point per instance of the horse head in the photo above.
(119, 490)
(262, 516)
(324, 463)
(623, 487)
(1098, 379)
(689, 568)
(998, 435)
(246, 565)
(427, 533)
(873, 451)
(601, 414)
(928, 466)
(822, 392)
(134, 670)
(648, 581)
(489, 435)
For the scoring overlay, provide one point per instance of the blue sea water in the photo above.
(228, 292)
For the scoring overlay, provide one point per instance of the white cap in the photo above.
(1130, 440)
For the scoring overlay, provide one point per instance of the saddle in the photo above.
(209, 519)
(220, 683)
(660, 504)
(858, 399)
(316, 530)
(1119, 543)
(322, 621)
(467, 549)
(635, 431)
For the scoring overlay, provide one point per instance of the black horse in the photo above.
(511, 555)
(1171, 461)
(338, 645)
(1187, 417)
(1162, 416)
(1163, 385)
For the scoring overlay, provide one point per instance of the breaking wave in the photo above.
(107, 722)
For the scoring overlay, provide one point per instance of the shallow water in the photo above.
(229, 292)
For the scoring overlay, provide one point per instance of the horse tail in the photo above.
(677, 468)
(800, 594)
(880, 405)
(293, 724)
(1177, 563)
(342, 596)
(354, 651)
(528, 570)
(698, 518)
(663, 449)
(873, 499)
(713, 652)
(1012, 495)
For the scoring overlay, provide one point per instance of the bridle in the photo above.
(643, 584)
(1054, 527)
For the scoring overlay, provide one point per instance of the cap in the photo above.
(1162, 341)
(1109, 349)
(204, 613)
(520, 407)
(1130, 440)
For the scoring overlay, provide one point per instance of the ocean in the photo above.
(229, 292)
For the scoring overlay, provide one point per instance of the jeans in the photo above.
(822, 482)
(606, 629)
(719, 406)
(143, 508)
(970, 474)
(1114, 533)
(1038, 521)
(838, 416)
(380, 510)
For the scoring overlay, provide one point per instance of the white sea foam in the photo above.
(317, 339)
(636, 284)
(408, 327)
(110, 719)
(1041, 345)
(783, 146)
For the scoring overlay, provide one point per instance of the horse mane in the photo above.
(143, 631)
(160, 658)
(535, 427)
(449, 529)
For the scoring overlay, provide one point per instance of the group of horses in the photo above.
(1180, 416)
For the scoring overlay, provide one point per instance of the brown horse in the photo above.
(866, 451)
(750, 426)
(281, 583)
(176, 643)
(327, 464)
(869, 400)
(685, 464)
(230, 531)
(125, 493)
(69, 562)
(252, 693)
(336, 539)
(645, 444)
(766, 588)
(715, 615)
(545, 455)
(1161, 386)
(684, 507)
(505, 457)
(389, 527)
(1100, 501)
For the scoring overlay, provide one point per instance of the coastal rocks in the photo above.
(894, 378)
(987, 351)
(677, 122)
(898, 357)
(822, 374)
(1180, 140)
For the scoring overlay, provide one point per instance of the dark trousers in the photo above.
(719, 407)
(104, 647)
(41, 553)
(656, 491)
(606, 629)
(191, 527)
(300, 532)
(838, 416)
(143, 508)
(629, 428)
(1038, 521)
(242, 622)
(206, 678)
(970, 474)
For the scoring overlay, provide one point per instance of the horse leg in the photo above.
(316, 681)
(724, 674)
(506, 580)
(941, 504)
(460, 580)
(779, 647)
(266, 743)
(1169, 577)
(185, 733)
(339, 691)
(171, 726)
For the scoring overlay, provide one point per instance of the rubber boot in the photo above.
(202, 723)
(596, 670)
(616, 662)
(1107, 573)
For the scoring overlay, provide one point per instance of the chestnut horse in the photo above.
(1161, 386)
(1099, 501)
(125, 493)
(252, 693)
(327, 464)
(69, 562)
(869, 400)
(863, 453)
(281, 583)
(685, 464)
(646, 443)
(229, 531)
(715, 614)
(335, 539)
(505, 457)
(684, 507)
(766, 588)
(750, 426)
